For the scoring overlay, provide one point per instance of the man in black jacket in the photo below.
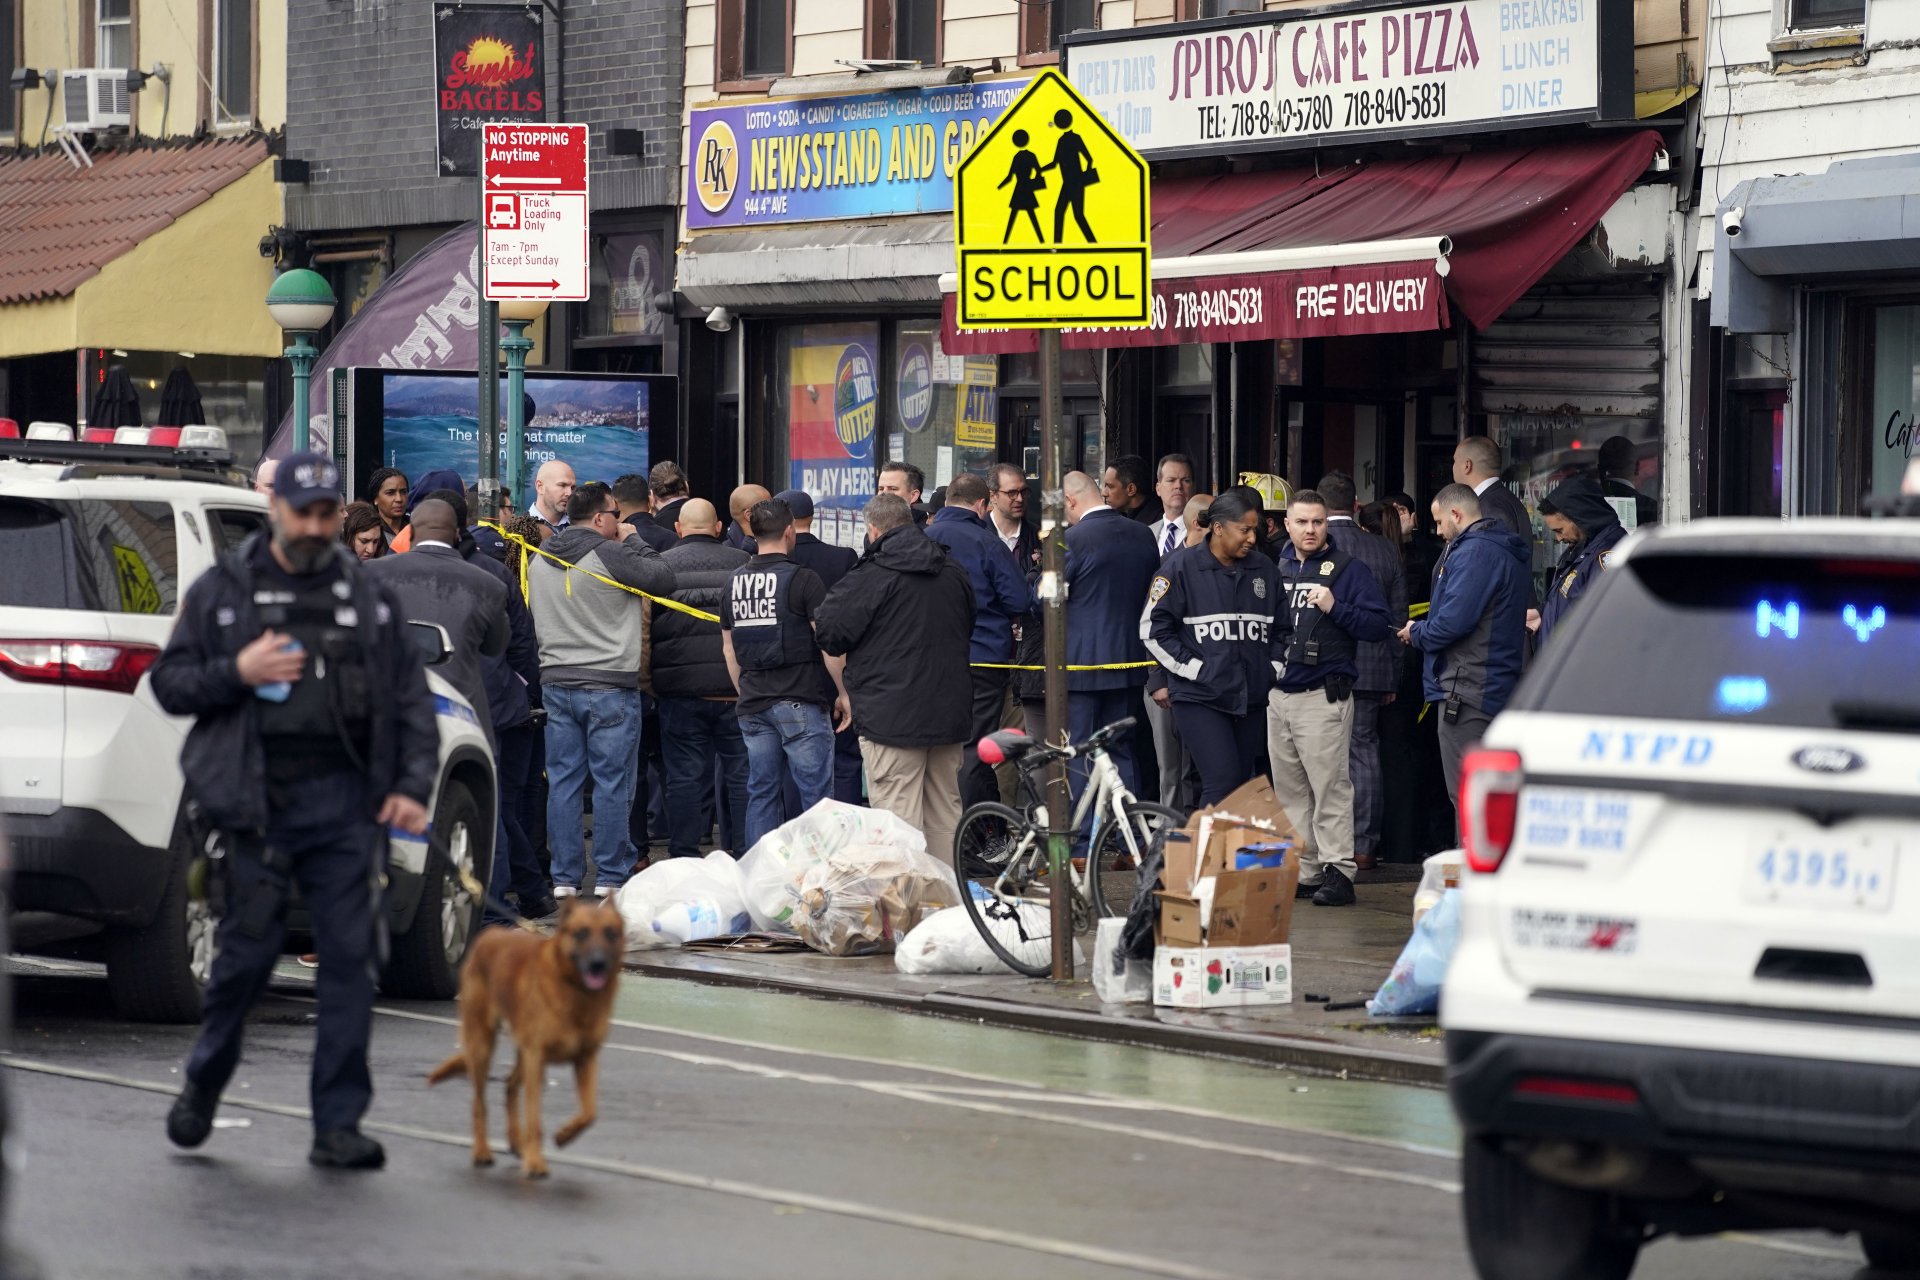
(435, 583)
(1377, 664)
(635, 500)
(903, 618)
(313, 732)
(831, 563)
(690, 680)
(1476, 464)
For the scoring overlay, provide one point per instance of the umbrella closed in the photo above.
(180, 400)
(115, 403)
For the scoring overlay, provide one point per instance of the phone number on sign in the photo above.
(1320, 114)
(1210, 308)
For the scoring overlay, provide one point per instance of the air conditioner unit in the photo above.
(96, 99)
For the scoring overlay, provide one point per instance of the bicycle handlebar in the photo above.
(1012, 745)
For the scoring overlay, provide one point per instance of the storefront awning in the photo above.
(822, 264)
(1859, 218)
(150, 248)
(1363, 239)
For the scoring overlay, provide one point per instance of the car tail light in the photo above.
(86, 664)
(1570, 1089)
(1489, 805)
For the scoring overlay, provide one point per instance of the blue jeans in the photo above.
(796, 736)
(597, 731)
(694, 734)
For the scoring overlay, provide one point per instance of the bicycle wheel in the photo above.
(992, 861)
(1119, 850)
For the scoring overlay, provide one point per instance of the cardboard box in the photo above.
(1179, 924)
(1206, 845)
(1248, 909)
(1222, 977)
(1253, 908)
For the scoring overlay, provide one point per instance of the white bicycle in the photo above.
(1003, 850)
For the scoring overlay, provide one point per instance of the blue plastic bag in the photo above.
(1413, 988)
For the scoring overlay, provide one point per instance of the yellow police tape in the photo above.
(704, 616)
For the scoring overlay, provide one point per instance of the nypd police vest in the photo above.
(1317, 640)
(767, 631)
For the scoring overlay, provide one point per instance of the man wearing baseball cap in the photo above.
(313, 732)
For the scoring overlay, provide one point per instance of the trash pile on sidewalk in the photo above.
(843, 879)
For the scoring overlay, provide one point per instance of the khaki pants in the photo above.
(920, 786)
(1307, 741)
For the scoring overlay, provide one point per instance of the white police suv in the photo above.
(98, 545)
(1687, 992)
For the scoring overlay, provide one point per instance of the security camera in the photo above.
(1732, 220)
(719, 319)
(1662, 162)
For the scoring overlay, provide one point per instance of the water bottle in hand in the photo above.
(279, 690)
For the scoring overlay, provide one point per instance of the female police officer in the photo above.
(1208, 618)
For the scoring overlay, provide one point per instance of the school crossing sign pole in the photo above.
(1051, 229)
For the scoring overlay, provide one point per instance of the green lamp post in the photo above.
(517, 314)
(301, 303)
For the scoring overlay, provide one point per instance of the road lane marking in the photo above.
(1045, 1091)
(1071, 1250)
(911, 1093)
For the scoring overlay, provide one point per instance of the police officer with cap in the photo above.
(313, 732)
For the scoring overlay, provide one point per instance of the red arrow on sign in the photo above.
(524, 284)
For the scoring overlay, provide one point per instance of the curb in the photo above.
(1298, 1053)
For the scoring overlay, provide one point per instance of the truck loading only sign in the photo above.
(1050, 219)
(534, 181)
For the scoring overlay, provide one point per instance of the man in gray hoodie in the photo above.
(587, 610)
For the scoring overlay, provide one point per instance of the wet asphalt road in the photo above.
(748, 1135)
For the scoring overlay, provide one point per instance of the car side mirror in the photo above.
(432, 640)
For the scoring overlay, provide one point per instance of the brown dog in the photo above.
(555, 993)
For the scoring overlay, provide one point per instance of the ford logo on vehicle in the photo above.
(1827, 760)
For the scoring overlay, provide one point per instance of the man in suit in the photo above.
(831, 564)
(1111, 561)
(434, 584)
(1377, 663)
(1173, 485)
(1476, 464)
(1000, 598)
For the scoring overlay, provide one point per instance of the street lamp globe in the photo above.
(300, 301)
(522, 310)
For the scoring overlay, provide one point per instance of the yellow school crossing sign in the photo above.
(1050, 219)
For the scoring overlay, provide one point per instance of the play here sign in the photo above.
(1050, 219)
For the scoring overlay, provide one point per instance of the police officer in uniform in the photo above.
(1333, 604)
(1208, 622)
(1586, 526)
(792, 698)
(313, 733)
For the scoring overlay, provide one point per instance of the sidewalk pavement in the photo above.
(1340, 952)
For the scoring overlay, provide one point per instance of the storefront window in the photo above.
(822, 415)
(628, 271)
(1896, 396)
(943, 412)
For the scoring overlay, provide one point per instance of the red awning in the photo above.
(1511, 215)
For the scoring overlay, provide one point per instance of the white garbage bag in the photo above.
(771, 871)
(1438, 873)
(864, 898)
(682, 900)
(948, 942)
